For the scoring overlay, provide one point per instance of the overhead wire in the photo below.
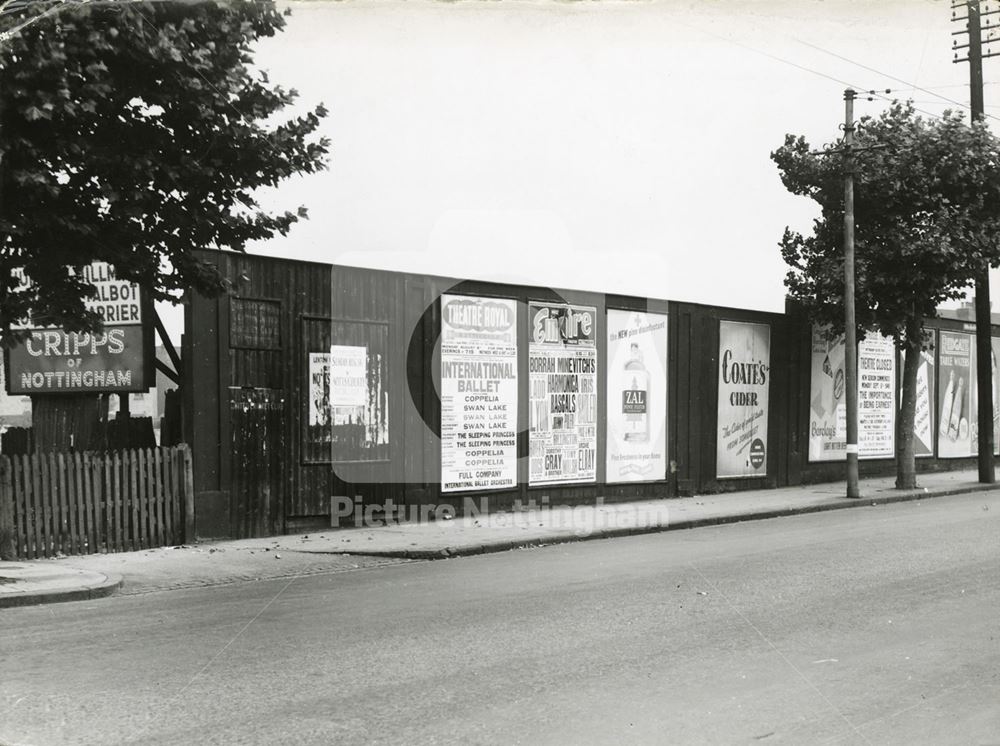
(805, 68)
(890, 77)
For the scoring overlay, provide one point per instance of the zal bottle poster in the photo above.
(562, 370)
(478, 393)
(744, 383)
(636, 396)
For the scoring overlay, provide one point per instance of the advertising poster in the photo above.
(995, 345)
(744, 381)
(828, 407)
(957, 430)
(345, 400)
(319, 389)
(348, 385)
(562, 369)
(924, 419)
(637, 396)
(876, 397)
(478, 393)
(53, 360)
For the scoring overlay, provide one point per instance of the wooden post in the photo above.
(8, 541)
(850, 328)
(31, 491)
(187, 479)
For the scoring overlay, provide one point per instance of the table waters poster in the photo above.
(744, 383)
(637, 396)
(562, 370)
(958, 431)
(478, 393)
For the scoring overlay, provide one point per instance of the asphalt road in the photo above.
(877, 625)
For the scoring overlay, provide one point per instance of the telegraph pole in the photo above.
(850, 328)
(984, 377)
(848, 150)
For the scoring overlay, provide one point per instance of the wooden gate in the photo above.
(257, 496)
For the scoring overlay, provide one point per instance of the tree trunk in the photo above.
(906, 465)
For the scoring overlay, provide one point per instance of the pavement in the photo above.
(356, 547)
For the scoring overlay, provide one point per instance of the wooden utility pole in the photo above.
(984, 343)
(848, 150)
(850, 328)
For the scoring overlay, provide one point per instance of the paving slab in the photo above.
(352, 548)
(549, 524)
(28, 583)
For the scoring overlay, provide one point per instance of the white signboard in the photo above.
(116, 301)
(319, 389)
(562, 369)
(348, 384)
(744, 384)
(637, 396)
(876, 397)
(478, 393)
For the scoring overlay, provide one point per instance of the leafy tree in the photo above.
(132, 133)
(927, 219)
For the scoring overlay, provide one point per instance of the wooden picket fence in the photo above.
(84, 503)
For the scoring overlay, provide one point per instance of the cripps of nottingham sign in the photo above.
(52, 360)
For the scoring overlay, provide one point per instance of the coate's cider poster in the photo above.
(478, 393)
(562, 369)
(744, 382)
(876, 398)
(637, 396)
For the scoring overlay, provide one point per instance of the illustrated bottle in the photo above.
(635, 397)
(946, 403)
(956, 410)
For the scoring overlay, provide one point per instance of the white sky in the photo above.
(610, 146)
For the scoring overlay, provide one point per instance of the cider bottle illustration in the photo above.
(635, 397)
(956, 410)
(946, 403)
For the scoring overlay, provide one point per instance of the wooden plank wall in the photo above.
(803, 471)
(320, 305)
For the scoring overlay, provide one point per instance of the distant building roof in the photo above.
(967, 312)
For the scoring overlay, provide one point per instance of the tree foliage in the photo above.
(927, 222)
(927, 218)
(133, 133)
